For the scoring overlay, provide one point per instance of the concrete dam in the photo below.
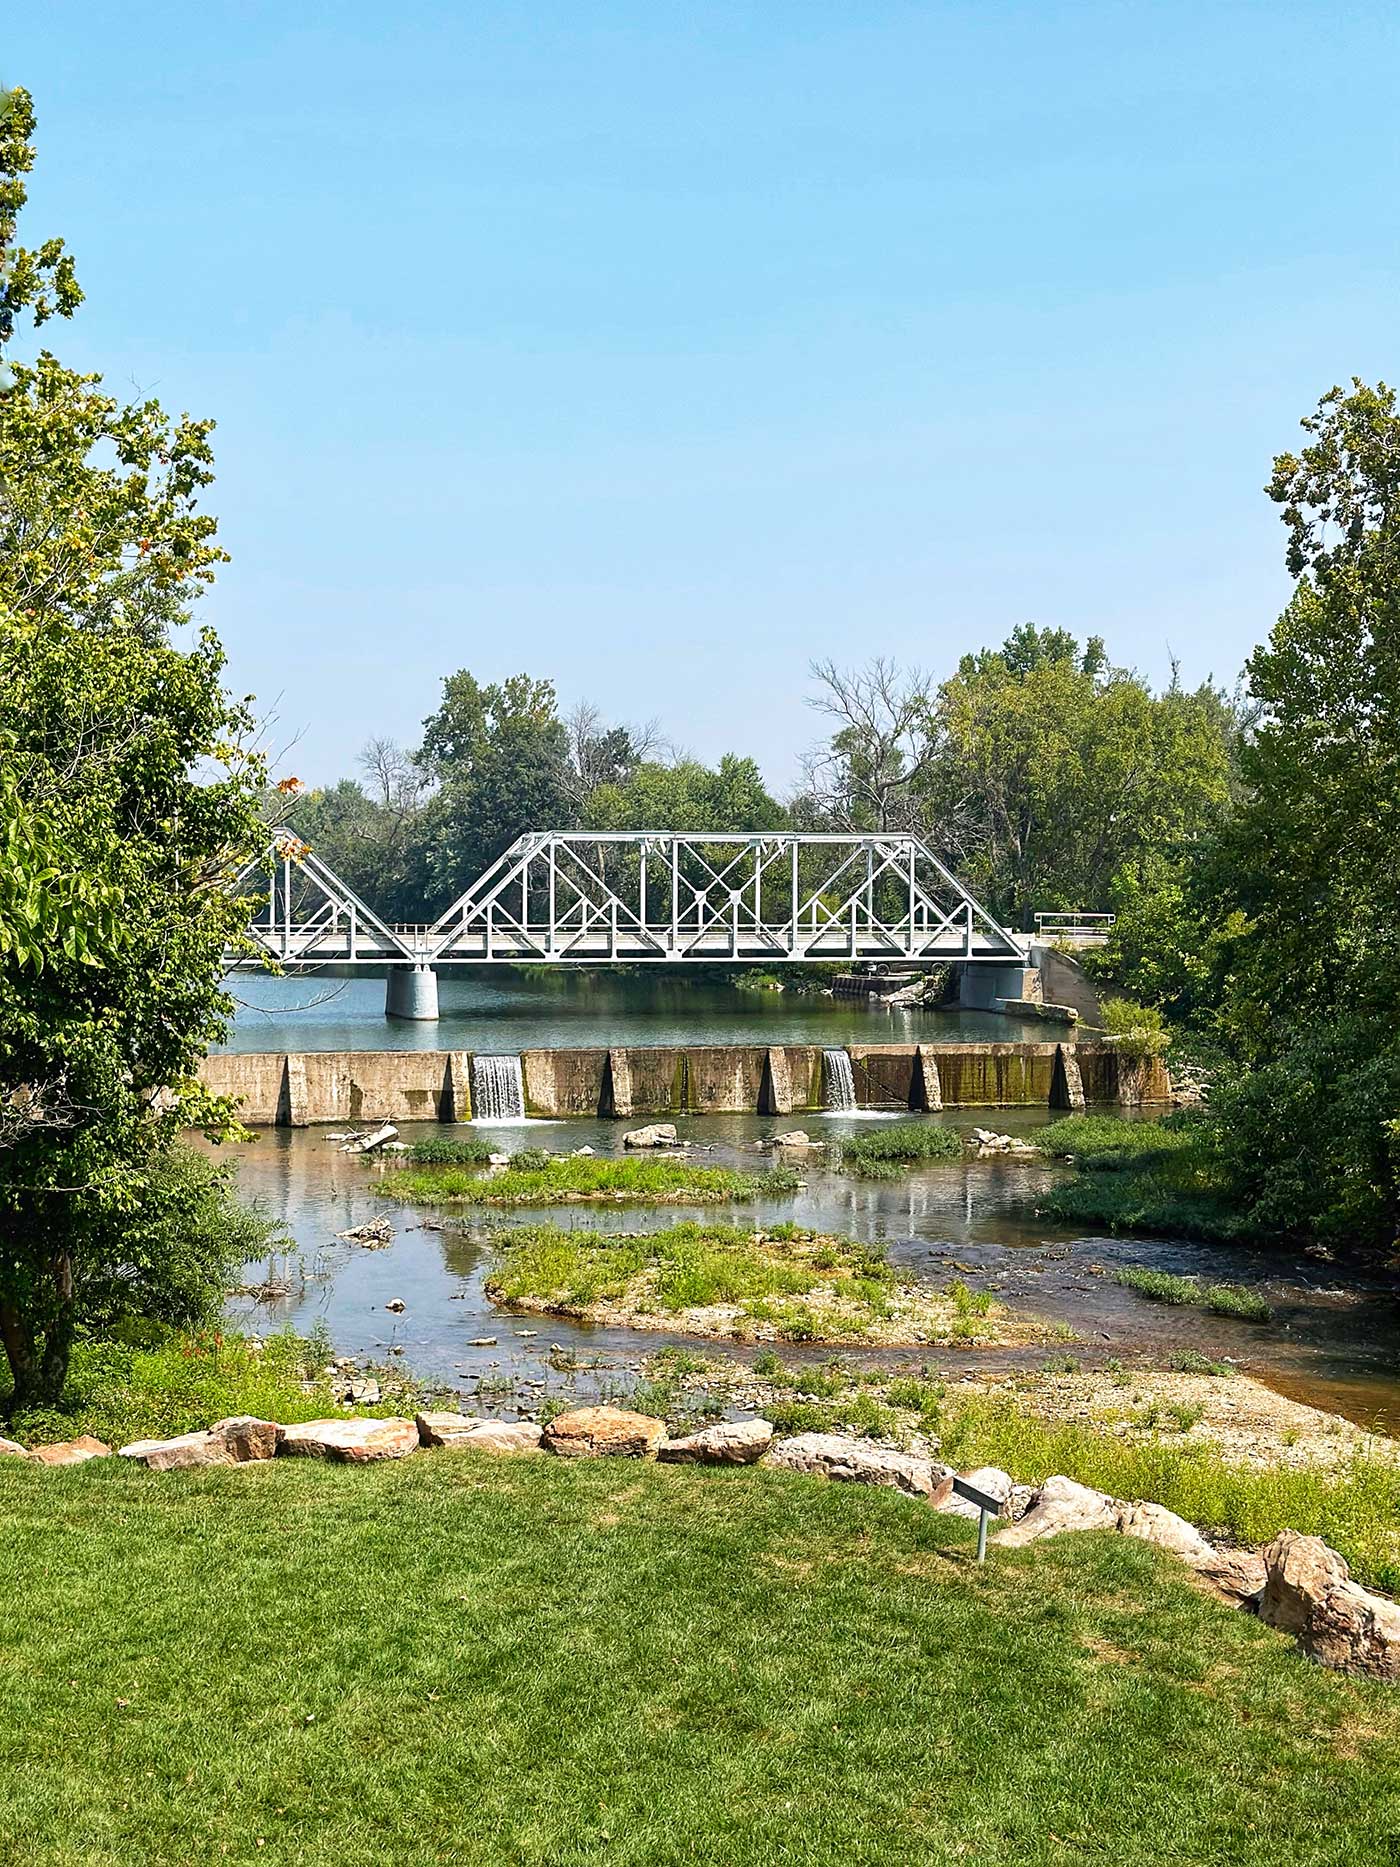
(301, 1088)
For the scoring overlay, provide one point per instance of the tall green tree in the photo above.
(498, 759)
(1310, 1120)
(127, 773)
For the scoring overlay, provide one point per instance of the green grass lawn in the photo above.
(473, 1661)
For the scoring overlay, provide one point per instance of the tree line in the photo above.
(1046, 777)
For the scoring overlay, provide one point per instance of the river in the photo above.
(1332, 1341)
(546, 1009)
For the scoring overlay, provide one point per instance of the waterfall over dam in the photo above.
(498, 1089)
(296, 1088)
(838, 1080)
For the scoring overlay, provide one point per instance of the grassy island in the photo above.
(729, 1281)
(537, 1178)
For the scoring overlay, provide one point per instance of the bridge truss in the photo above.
(572, 897)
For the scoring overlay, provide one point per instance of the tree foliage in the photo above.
(1309, 1007)
(130, 803)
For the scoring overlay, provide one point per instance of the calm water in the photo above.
(1332, 1346)
(540, 1009)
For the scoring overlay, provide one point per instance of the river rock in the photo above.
(731, 1442)
(240, 1440)
(1061, 1505)
(1308, 1592)
(1236, 1575)
(353, 1442)
(10, 1450)
(72, 1451)
(989, 1478)
(832, 1455)
(1154, 1523)
(597, 1432)
(794, 1138)
(659, 1134)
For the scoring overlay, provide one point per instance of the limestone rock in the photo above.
(731, 1442)
(506, 1436)
(1020, 1501)
(831, 1455)
(445, 1429)
(1061, 1505)
(1308, 1591)
(241, 1440)
(9, 1449)
(72, 1451)
(659, 1134)
(989, 1478)
(1236, 1575)
(235, 1441)
(1154, 1523)
(353, 1442)
(596, 1432)
(795, 1138)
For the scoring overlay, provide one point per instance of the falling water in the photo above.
(838, 1080)
(498, 1089)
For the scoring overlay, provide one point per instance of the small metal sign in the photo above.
(987, 1506)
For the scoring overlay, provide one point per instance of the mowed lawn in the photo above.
(473, 1660)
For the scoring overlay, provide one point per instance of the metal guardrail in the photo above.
(1077, 927)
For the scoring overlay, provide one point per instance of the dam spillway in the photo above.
(302, 1088)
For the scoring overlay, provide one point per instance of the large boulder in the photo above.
(1308, 1592)
(989, 1478)
(1154, 1523)
(72, 1451)
(604, 1432)
(10, 1449)
(457, 1429)
(831, 1455)
(445, 1429)
(659, 1134)
(732, 1442)
(352, 1442)
(240, 1440)
(1235, 1575)
(1061, 1505)
(505, 1436)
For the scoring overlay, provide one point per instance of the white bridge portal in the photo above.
(588, 898)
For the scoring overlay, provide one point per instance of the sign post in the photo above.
(987, 1507)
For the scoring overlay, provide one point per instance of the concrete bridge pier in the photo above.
(411, 992)
(982, 985)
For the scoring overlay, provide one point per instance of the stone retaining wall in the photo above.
(298, 1088)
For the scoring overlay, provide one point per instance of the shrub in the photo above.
(450, 1151)
(1140, 1030)
(885, 1152)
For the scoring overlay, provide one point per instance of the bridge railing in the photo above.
(1077, 927)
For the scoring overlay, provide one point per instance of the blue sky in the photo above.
(662, 348)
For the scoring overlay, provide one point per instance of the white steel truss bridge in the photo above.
(587, 898)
